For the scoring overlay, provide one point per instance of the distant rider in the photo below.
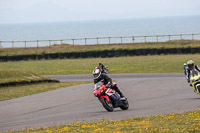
(99, 74)
(188, 68)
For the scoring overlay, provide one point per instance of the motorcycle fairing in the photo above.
(195, 81)
(99, 89)
(197, 86)
(115, 99)
(106, 97)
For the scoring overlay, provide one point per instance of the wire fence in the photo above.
(100, 40)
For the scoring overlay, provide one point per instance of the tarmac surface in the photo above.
(148, 94)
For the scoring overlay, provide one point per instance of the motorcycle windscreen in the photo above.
(115, 100)
(194, 73)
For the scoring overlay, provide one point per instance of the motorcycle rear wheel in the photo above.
(107, 105)
(124, 105)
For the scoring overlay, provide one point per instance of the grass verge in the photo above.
(133, 64)
(19, 91)
(83, 48)
(27, 83)
(183, 122)
(18, 77)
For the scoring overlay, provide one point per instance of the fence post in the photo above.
(181, 36)
(133, 39)
(145, 39)
(13, 44)
(97, 40)
(25, 44)
(37, 43)
(85, 41)
(73, 41)
(61, 41)
(157, 38)
(109, 39)
(169, 37)
(192, 36)
(121, 40)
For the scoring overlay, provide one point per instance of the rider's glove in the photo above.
(108, 84)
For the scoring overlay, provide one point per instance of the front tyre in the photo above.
(107, 105)
(124, 105)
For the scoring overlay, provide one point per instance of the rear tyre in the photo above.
(124, 105)
(107, 105)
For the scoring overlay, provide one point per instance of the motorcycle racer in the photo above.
(99, 74)
(188, 68)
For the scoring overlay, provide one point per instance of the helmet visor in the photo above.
(191, 66)
(96, 75)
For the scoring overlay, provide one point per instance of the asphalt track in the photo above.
(148, 94)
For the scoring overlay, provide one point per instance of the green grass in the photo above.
(188, 122)
(134, 64)
(20, 91)
(17, 75)
(10, 76)
(184, 122)
(82, 48)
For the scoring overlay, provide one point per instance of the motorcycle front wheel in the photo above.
(107, 105)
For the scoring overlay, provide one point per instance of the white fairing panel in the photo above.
(198, 88)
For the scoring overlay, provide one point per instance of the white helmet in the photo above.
(190, 64)
(96, 73)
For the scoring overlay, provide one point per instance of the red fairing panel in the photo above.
(106, 97)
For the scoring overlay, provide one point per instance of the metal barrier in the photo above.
(100, 40)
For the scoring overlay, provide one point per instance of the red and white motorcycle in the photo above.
(109, 98)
